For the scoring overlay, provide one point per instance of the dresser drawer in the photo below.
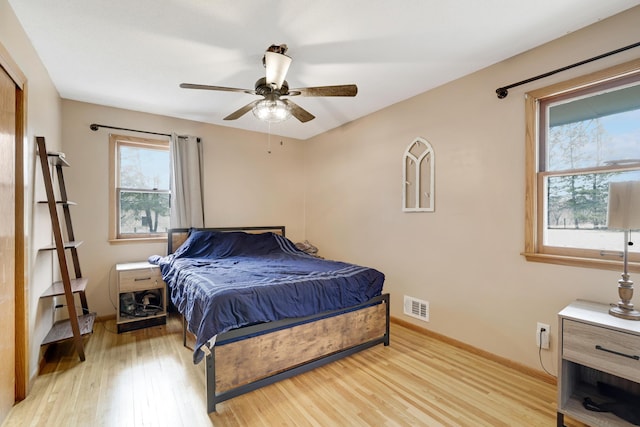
(140, 280)
(608, 350)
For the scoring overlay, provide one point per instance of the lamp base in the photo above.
(624, 313)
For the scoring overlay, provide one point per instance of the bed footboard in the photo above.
(248, 358)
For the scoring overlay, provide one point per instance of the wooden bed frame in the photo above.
(247, 358)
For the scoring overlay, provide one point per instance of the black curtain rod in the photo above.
(502, 92)
(95, 127)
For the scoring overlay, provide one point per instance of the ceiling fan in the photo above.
(272, 87)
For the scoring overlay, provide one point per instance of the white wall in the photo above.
(43, 119)
(464, 259)
(244, 185)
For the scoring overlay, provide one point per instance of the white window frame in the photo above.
(534, 249)
(115, 142)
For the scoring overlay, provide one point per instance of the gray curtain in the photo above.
(186, 182)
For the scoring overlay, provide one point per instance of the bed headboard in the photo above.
(177, 236)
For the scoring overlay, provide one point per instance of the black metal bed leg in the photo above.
(184, 331)
(388, 309)
(210, 375)
(560, 419)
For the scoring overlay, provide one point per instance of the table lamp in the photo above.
(623, 213)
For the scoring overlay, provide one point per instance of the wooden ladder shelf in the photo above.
(76, 325)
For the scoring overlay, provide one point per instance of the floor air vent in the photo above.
(416, 308)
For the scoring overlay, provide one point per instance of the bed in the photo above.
(262, 310)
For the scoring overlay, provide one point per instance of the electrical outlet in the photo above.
(542, 336)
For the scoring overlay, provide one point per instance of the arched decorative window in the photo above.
(418, 177)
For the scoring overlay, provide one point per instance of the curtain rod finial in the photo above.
(502, 92)
(93, 126)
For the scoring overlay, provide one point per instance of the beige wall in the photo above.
(43, 119)
(464, 259)
(243, 183)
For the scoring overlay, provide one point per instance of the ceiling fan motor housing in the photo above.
(264, 89)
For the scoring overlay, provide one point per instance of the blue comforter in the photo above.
(224, 280)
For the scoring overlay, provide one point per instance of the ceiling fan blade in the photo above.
(220, 88)
(340, 90)
(298, 112)
(241, 111)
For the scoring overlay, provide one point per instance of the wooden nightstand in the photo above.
(142, 296)
(595, 347)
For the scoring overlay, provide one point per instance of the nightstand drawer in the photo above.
(611, 351)
(139, 280)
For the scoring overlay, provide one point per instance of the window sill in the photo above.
(162, 239)
(600, 264)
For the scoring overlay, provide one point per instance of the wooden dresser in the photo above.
(595, 347)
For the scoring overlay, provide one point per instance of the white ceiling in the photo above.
(134, 54)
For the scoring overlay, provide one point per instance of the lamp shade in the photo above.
(276, 65)
(623, 211)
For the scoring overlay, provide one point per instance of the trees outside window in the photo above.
(577, 200)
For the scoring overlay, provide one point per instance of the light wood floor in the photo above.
(147, 378)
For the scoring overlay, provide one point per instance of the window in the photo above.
(581, 135)
(140, 196)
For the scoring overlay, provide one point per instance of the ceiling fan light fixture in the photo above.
(276, 65)
(272, 110)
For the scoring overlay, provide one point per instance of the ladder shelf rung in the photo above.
(60, 202)
(67, 245)
(57, 158)
(57, 288)
(61, 330)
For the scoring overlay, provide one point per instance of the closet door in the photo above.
(7, 243)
